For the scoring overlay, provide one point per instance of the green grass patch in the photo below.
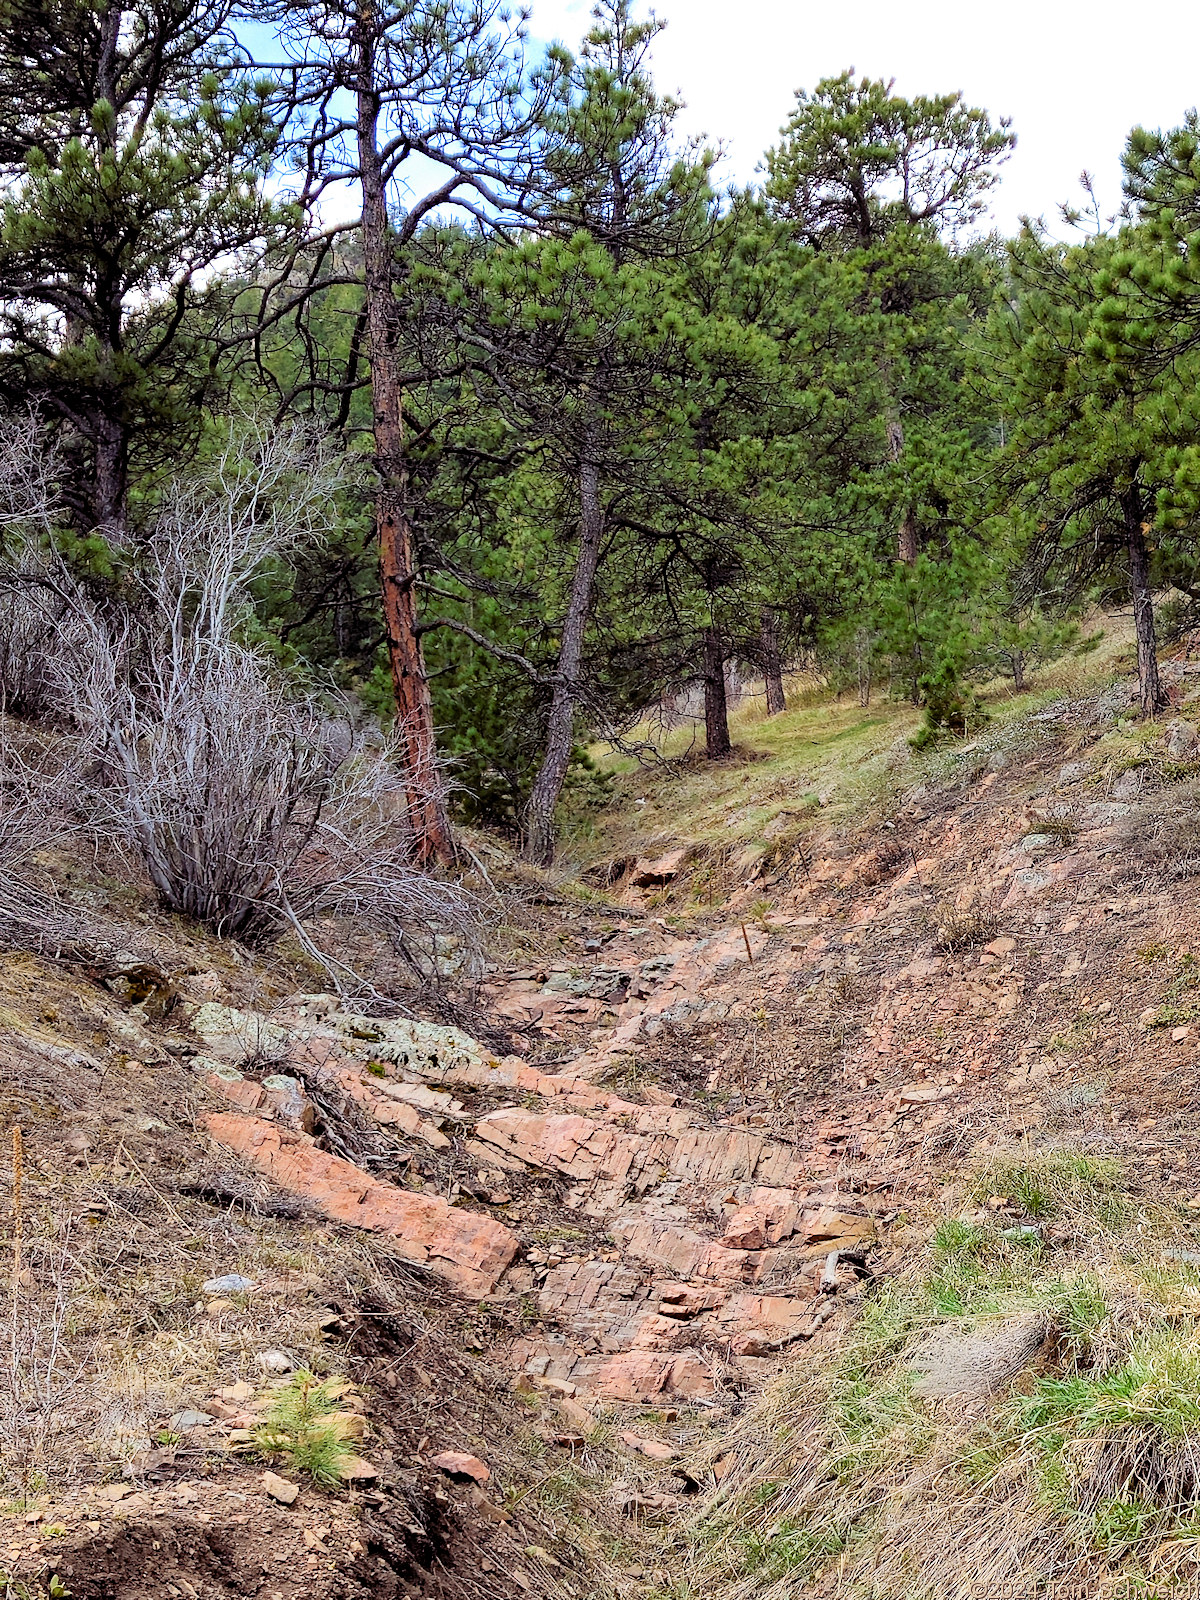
(1060, 1181)
(1157, 1389)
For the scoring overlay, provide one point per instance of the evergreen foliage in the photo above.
(606, 428)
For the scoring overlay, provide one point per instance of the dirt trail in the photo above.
(715, 1153)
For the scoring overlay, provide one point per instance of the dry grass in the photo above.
(1086, 1471)
(1162, 834)
(822, 761)
(965, 928)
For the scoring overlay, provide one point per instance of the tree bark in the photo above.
(110, 435)
(772, 666)
(1018, 671)
(907, 534)
(862, 662)
(907, 547)
(716, 713)
(1149, 687)
(397, 557)
(560, 724)
(110, 475)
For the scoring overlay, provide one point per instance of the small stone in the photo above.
(537, 1551)
(1001, 947)
(1181, 739)
(224, 1412)
(287, 1096)
(232, 1086)
(183, 1420)
(1129, 785)
(649, 874)
(1178, 1035)
(230, 1283)
(356, 1470)
(349, 1425)
(577, 1415)
(274, 1361)
(556, 1385)
(217, 1308)
(750, 1344)
(456, 1464)
(653, 1449)
(279, 1488)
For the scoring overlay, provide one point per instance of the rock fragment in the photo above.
(279, 1488)
(457, 1464)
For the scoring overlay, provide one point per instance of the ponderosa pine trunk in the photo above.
(560, 723)
(771, 664)
(397, 555)
(863, 665)
(716, 711)
(110, 434)
(110, 476)
(1149, 686)
(906, 534)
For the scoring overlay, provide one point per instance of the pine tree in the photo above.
(861, 171)
(571, 333)
(136, 145)
(1092, 440)
(431, 86)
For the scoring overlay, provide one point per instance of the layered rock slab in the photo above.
(466, 1249)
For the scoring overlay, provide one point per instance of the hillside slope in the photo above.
(810, 1215)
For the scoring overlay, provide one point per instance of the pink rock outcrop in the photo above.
(467, 1249)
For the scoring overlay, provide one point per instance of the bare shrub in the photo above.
(253, 809)
(255, 805)
(37, 626)
(215, 778)
(28, 470)
(1162, 834)
(39, 1376)
(40, 781)
(38, 630)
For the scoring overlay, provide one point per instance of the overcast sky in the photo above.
(1074, 75)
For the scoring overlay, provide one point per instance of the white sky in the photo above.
(1074, 75)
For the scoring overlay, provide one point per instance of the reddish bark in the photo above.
(397, 556)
